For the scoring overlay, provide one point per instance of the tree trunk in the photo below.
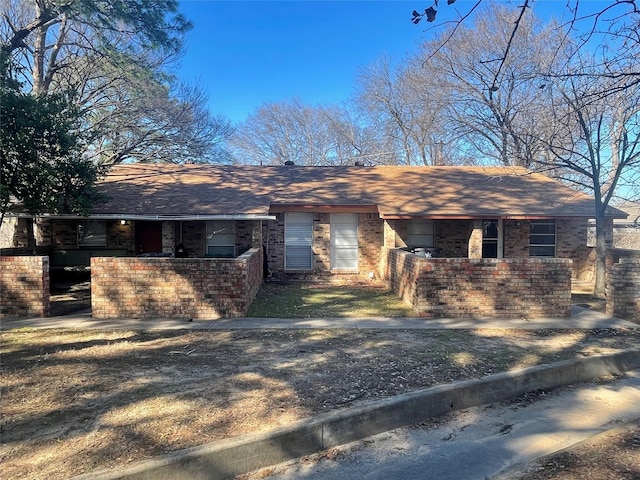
(603, 241)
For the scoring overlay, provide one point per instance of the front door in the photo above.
(148, 237)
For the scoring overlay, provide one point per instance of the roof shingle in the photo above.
(174, 190)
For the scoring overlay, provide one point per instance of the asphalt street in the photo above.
(479, 443)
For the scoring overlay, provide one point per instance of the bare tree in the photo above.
(385, 105)
(596, 142)
(291, 131)
(492, 102)
(606, 22)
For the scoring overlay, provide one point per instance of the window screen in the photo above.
(542, 238)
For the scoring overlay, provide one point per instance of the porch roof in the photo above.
(394, 192)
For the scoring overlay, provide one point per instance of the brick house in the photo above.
(323, 222)
(451, 241)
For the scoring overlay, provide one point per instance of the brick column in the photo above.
(42, 232)
(475, 240)
(256, 234)
(388, 244)
(389, 235)
(24, 286)
(168, 236)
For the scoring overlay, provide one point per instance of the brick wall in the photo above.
(623, 288)
(63, 235)
(370, 241)
(459, 287)
(24, 286)
(194, 236)
(452, 237)
(571, 242)
(175, 287)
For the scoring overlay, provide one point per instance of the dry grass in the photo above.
(75, 401)
(302, 300)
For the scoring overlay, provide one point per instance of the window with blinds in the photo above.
(344, 241)
(221, 239)
(420, 233)
(298, 235)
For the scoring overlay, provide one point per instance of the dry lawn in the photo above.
(76, 401)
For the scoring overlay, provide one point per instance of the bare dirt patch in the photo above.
(76, 401)
(613, 455)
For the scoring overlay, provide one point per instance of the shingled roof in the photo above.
(166, 191)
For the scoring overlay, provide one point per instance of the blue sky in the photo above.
(247, 53)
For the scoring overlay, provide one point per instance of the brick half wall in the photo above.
(623, 289)
(175, 287)
(498, 288)
(24, 286)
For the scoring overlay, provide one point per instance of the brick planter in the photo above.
(500, 288)
(175, 287)
(24, 286)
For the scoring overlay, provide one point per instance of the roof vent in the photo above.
(359, 163)
(289, 162)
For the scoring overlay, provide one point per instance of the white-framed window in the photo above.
(420, 233)
(92, 234)
(542, 238)
(221, 239)
(298, 237)
(344, 241)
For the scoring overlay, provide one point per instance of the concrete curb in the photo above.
(227, 458)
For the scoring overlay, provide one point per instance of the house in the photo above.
(320, 221)
(332, 222)
(626, 232)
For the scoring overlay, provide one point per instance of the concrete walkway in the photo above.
(581, 318)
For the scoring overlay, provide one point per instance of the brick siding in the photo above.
(175, 287)
(501, 288)
(24, 286)
(370, 241)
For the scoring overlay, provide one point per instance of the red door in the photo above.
(148, 237)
